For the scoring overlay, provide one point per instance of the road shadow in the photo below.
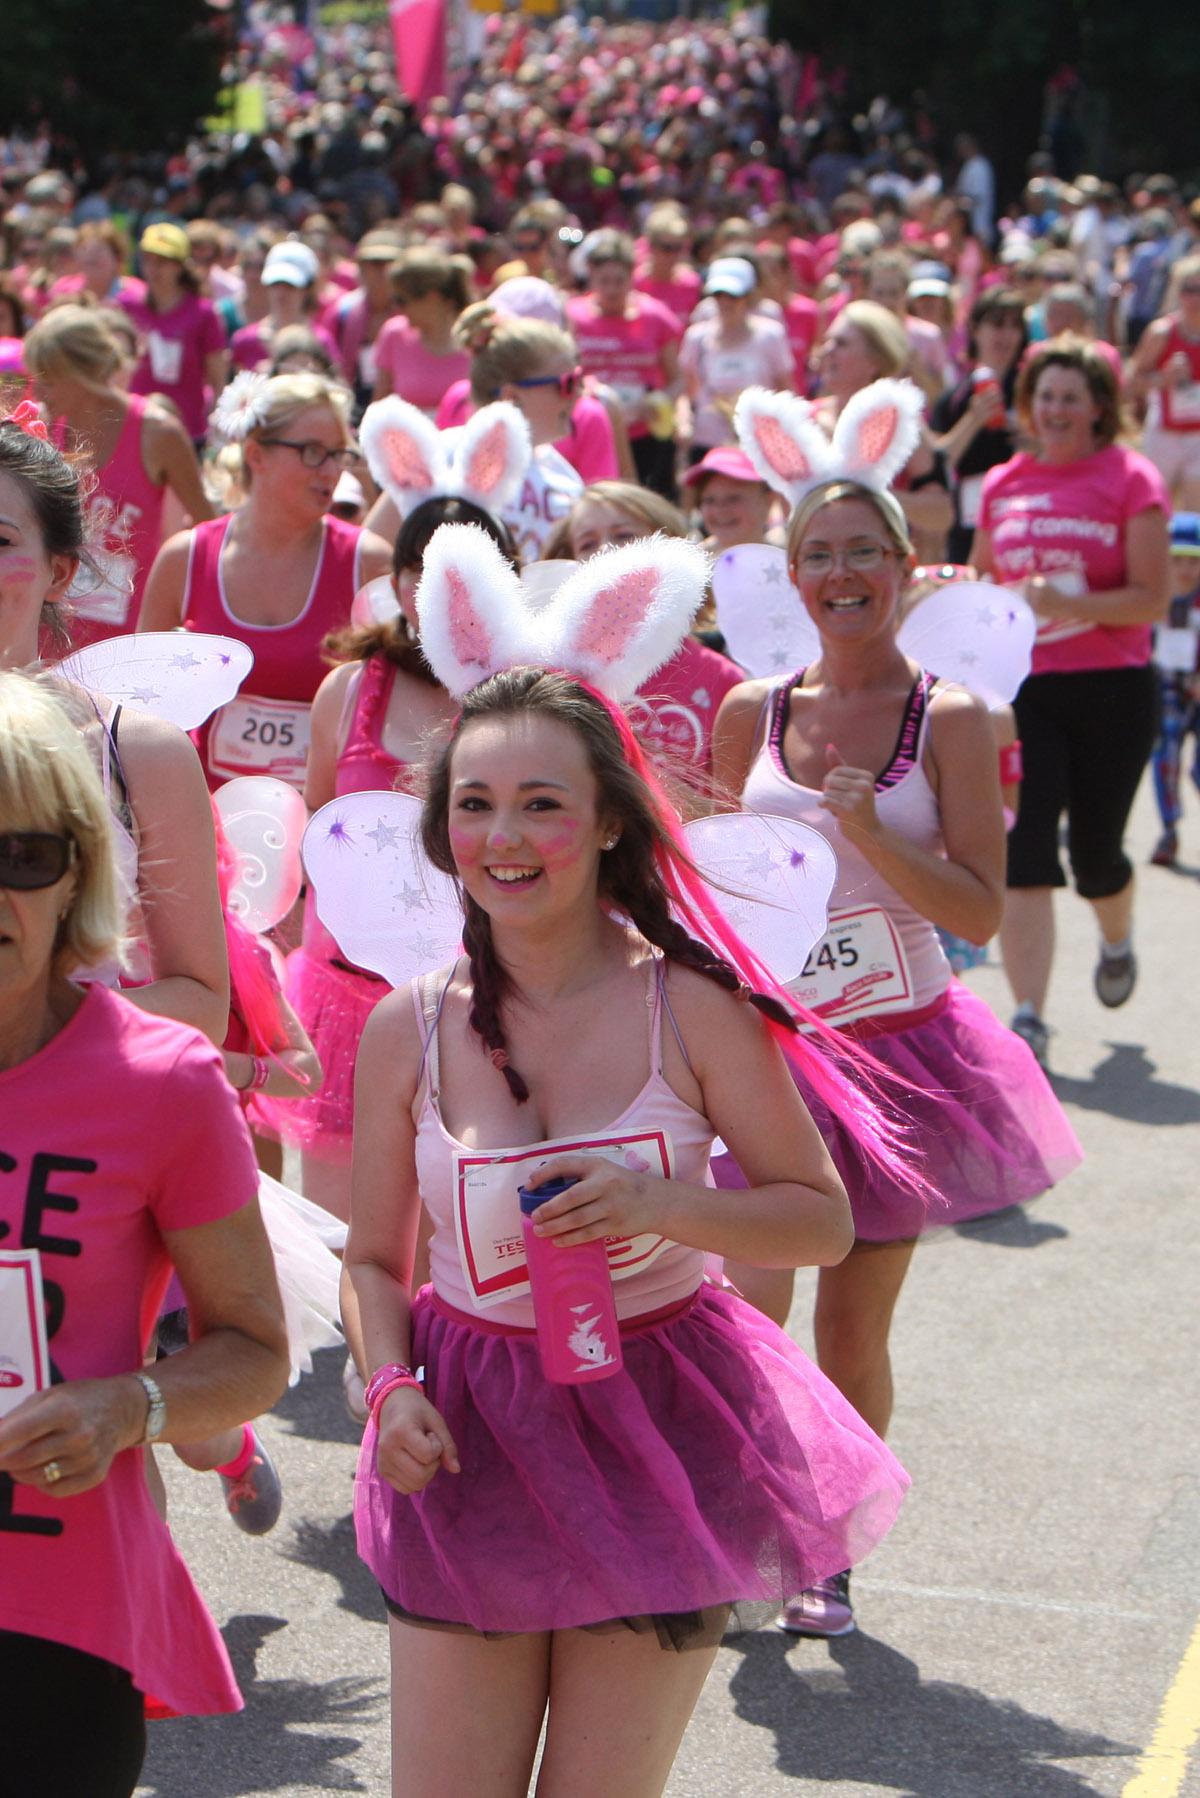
(856, 1711)
(261, 1749)
(315, 1407)
(1123, 1085)
(1016, 1227)
(331, 1550)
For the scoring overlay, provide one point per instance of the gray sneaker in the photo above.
(1115, 978)
(1033, 1033)
(255, 1499)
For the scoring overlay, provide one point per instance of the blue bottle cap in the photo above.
(532, 1197)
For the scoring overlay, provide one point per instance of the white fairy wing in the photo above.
(376, 603)
(766, 628)
(387, 908)
(264, 820)
(974, 633)
(772, 878)
(309, 1274)
(182, 676)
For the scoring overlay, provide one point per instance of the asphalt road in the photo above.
(1024, 1623)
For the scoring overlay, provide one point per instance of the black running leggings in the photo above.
(1085, 741)
(70, 1723)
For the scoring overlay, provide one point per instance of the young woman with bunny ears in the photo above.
(899, 772)
(542, 1547)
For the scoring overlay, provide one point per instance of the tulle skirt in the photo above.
(985, 1123)
(718, 1465)
(333, 1004)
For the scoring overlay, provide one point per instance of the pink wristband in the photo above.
(384, 1380)
(1011, 767)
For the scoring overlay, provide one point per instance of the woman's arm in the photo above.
(928, 508)
(1145, 595)
(795, 1212)
(982, 559)
(172, 463)
(374, 555)
(216, 370)
(329, 708)
(963, 890)
(166, 586)
(733, 740)
(177, 877)
(954, 442)
(293, 1070)
(383, 521)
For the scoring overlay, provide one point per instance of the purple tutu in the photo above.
(333, 1004)
(984, 1121)
(718, 1465)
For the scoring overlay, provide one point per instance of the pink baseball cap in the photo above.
(733, 463)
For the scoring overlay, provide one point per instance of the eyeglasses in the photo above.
(860, 558)
(568, 385)
(528, 246)
(312, 453)
(32, 859)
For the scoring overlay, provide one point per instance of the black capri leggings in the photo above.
(1085, 740)
(70, 1723)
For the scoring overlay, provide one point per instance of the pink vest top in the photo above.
(271, 737)
(905, 802)
(476, 1259)
(124, 529)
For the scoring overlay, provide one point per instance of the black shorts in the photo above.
(1085, 741)
(72, 1723)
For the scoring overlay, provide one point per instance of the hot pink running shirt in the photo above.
(626, 352)
(1070, 522)
(124, 514)
(122, 1127)
(416, 374)
(174, 345)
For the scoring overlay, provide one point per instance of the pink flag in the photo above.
(419, 38)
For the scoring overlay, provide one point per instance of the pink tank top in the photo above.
(124, 529)
(476, 1259)
(265, 730)
(906, 803)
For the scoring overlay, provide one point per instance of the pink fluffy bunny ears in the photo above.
(877, 432)
(484, 462)
(613, 622)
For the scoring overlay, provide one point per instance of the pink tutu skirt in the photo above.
(985, 1123)
(718, 1465)
(333, 1004)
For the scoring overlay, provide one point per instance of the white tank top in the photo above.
(904, 801)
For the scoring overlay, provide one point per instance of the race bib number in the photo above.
(1176, 649)
(487, 1211)
(970, 498)
(1183, 405)
(366, 367)
(106, 600)
(24, 1359)
(857, 970)
(261, 736)
(166, 357)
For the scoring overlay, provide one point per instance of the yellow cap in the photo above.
(163, 239)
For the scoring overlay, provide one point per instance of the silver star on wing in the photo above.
(773, 575)
(384, 836)
(987, 615)
(761, 865)
(186, 661)
(143, 695)
(411, 898)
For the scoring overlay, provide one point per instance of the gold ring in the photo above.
(51, 1472)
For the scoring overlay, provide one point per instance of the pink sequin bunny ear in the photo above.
(624, 613)
(471, 613)
(405, 452)
(787, 446)
(489, 461)
(877, 432)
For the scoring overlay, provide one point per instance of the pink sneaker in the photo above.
(821, 1610)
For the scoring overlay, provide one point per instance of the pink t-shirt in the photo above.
(416, 375)
(121, 1128)
(626, 352)
(719, 370)
(174, 345)
(251, 346)
(1069, 524)
(678, 295)
(801, 321)
(675, 710)
(590, 449)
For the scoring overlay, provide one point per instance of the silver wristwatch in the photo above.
(156, 1416)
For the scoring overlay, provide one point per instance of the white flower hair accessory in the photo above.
(241, 407)
(484, 462)
(877, 432)
(613, 622)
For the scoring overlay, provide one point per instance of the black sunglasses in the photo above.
(31, 859)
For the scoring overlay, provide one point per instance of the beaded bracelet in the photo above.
(387, 1379)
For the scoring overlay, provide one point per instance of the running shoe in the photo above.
(255, 1499)
(1031, 1030)
(821, 1610)
(1165, 851)
(1115, 978)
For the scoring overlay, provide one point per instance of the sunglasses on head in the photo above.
(568, 385)
(30, 859)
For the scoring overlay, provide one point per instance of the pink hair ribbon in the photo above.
(27, 418)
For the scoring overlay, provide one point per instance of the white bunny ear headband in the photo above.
(484, 462)
(877, 432)
(613, 622)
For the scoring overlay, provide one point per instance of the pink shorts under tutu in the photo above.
(984, 1121)
(333, 1004)
(718, 1465)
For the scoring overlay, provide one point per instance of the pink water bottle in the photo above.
(573, 1306)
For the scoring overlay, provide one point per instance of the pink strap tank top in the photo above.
(124, 529)
(476, 1257)
(265, 730)
(904, 800)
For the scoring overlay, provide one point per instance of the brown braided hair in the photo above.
(630, 880)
